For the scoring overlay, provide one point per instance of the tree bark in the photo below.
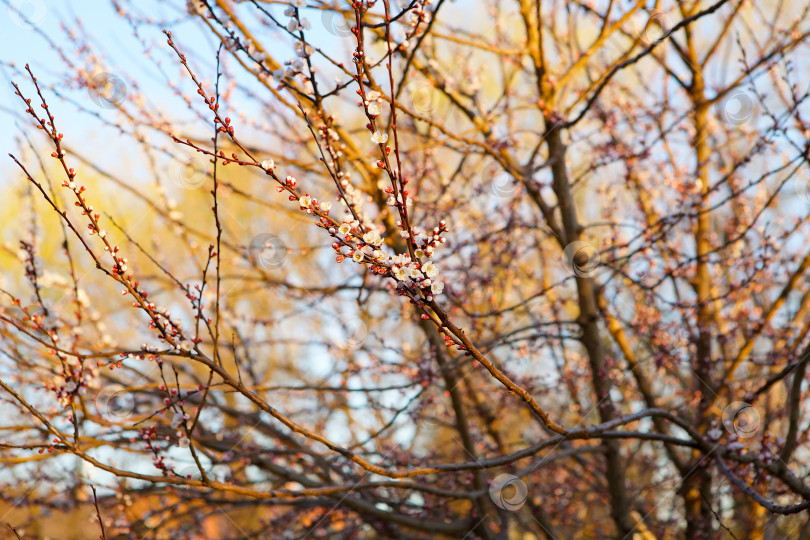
(591, 340)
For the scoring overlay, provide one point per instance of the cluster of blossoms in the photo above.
(373, 110)
(358, 245)
(293, 67)
(254, 52)
(296, 23)
(372, 103)
(410, 272)
(302, 50)
(397, 201)
(178, 421)
(309, 204)
(172, 328)
(427, 274)
(419, 13)
(366, 247)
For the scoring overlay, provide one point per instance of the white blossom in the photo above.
(400, 273)
(193, 7)
(178, 419)
(379, 138)
(414, 272)
(372, 237)
(431, 270)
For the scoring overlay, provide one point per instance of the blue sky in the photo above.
(24, 43)
(113, 38)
